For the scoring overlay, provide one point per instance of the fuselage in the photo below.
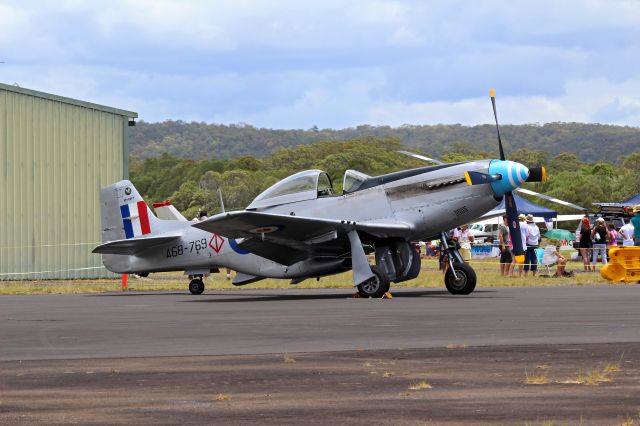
(430, 200)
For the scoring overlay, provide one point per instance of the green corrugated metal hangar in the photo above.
(55, 155)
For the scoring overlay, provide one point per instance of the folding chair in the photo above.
(547, 259)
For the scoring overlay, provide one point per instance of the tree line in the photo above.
(192, 185)
(195, 140)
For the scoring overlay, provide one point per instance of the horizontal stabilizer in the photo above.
(478, 178)
(133, 245)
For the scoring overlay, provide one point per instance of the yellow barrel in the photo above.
(624, 264)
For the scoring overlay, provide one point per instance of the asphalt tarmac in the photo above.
(320, 356)
(301, 320)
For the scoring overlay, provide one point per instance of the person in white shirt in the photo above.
(532, 241)
(465, 241)
(627, 233)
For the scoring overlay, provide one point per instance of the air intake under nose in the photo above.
(512, 175)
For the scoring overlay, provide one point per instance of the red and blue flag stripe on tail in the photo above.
(135, 218)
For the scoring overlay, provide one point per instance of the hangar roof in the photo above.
(71, 101)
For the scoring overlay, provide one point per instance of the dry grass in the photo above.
(419, 386)
(628, 421)
(613, 366)
(631, 421)
(430, 277)
(456, 346)
(596, 376)
(592, 378)
(288, 359)
(536, 379)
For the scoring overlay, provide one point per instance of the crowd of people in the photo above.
(595, 239)
(593, 242)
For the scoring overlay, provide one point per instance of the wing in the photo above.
(133, 245)
(289, 239)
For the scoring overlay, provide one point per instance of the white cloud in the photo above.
(332, 63)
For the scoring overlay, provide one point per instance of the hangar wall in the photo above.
(55, 155)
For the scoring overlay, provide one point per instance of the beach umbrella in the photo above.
(560, 234)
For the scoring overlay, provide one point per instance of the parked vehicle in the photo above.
(484, 232)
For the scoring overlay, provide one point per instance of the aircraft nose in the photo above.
(513, 175)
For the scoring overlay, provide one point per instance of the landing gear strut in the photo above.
(459, 277)
(196, 286)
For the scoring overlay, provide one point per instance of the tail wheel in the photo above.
(466, 281)
(196, 286)
(376, 286)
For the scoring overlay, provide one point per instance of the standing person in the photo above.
(465, 241)
(599, 237)
(523, 236)
(584, 240)
(635, 222)
(627, 232)
(506, 257)
(613, 236)
(533, 239)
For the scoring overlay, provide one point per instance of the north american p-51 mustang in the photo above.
(299, 228)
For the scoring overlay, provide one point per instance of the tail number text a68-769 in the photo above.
(180, 249)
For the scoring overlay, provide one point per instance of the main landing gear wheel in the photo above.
(466, 281)
(196, 286)
(376, 286)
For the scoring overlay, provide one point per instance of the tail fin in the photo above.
(166, 211)
(125, 214)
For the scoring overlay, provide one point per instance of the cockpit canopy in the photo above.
(307, 185)
(353, 179)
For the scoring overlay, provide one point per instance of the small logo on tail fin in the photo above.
(135, 219)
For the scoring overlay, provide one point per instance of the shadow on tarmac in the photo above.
(235, 296)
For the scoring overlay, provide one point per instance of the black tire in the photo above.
(375, 287)
(196, 286)
(414, 270)
(466, 281)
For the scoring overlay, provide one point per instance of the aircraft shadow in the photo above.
(245, 296)
(249, 297)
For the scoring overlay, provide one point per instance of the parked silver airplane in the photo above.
(300, 228)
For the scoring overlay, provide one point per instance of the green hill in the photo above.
(193, 185)
(589, 142)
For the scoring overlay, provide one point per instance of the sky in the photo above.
(333, 64)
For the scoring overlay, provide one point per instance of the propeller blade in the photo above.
(420, 157)
(552, 199)
(495, 114)
(479, 178)
(537, 174)
(514, 226)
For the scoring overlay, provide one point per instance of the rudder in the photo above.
(124, 213)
